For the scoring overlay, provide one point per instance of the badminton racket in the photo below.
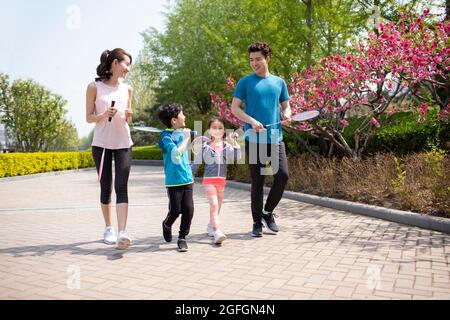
(155, 130)
(197, 143)
(302, 116)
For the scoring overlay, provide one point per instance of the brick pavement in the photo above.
(51, 248)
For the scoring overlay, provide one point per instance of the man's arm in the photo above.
(241, 115)
(286, 112)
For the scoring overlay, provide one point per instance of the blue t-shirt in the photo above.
(262, 97)
(177, 168)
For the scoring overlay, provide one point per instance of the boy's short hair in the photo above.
(263, 47)
(168, 111)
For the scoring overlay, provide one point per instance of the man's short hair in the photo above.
(262, 47)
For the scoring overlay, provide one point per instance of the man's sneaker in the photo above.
(182, 245)
(210, 230)
(167, 233)
(219, 237)
(123, 240)
(269, 221)
(109, 236)
(257, 230)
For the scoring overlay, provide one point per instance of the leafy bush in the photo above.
(17, 164)
(147, 153)
(404, 135)
(400, 134)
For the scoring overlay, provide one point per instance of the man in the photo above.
(262, 94)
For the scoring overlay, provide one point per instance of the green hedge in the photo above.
(399, 134)
(147, 153)
(409, 136)
(17, 164)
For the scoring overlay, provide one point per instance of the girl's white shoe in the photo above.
(219, 237)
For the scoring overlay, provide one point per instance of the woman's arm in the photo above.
(129, 111)
(91, 117)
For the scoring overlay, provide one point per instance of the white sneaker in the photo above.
(219, 237)
(210, 230)
(109, 236)
(123, 240)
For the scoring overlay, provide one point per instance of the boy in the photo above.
(178, 174)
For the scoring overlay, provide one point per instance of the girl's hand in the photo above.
(231, 138)
(128, 112)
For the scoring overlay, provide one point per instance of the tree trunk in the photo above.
(309, 41)
(447, 9)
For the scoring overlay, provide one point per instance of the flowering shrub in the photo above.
(395, 63)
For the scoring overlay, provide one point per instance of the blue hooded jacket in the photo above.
(177, 168)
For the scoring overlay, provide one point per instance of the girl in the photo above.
(216, 154)
(108, 105)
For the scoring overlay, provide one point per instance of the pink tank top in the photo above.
(114, 134)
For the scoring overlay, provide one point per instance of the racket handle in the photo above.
(193, 133)
(112, 105)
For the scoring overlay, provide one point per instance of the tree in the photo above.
(206, 41)
(34, 117)
(397, 61)
(86, 142)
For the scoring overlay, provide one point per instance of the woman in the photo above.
(108, 105)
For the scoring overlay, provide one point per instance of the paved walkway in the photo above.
(51, 248)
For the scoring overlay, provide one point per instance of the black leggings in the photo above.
(181, 201)
(257, 156)
(122, 166)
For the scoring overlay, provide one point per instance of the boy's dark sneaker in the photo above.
(182, 245)
(269, 221)
(167, 233)
(257, 230)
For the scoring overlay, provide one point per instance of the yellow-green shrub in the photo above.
(17, 164)
(147, 153)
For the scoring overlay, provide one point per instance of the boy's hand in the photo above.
(187, 133)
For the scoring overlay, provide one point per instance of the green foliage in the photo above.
(399, 182)
(403, 134)
(206, 41)
(400, 134)
(17, 164)
(147, 153)
(435, 159)
(86, 142)
(34, 118)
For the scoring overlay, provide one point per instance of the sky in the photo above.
(58, 43)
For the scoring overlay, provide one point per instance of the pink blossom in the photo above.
(423, 108)
(375, 122)
(344, 122)
(391, 112)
